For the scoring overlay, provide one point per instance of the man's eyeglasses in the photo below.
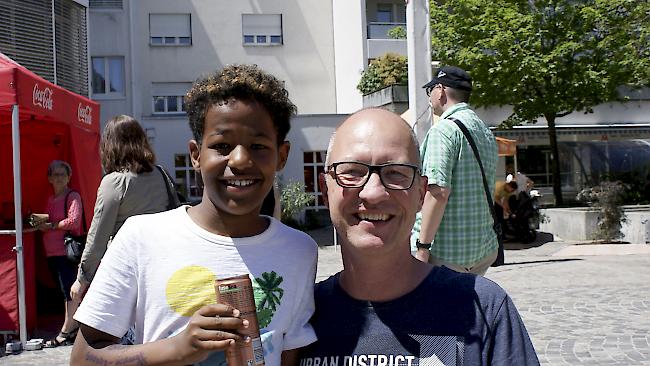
(352, 174)
(430, 89)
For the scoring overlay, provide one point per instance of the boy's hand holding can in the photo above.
(214, 327)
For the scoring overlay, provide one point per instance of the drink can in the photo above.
(238, 292)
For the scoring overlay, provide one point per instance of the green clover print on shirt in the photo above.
(267, 294)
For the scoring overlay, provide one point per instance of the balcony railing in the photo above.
(380, 30)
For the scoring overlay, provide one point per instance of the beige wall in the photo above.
(305, 61)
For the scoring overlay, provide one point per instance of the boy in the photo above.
(160, 269)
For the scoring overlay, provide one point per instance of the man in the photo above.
(456, 211)
(386, 307)
(503, 197)
(502, 194)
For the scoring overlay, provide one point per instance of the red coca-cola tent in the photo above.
(39, 122)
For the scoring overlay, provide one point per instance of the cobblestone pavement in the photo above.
(579, 309)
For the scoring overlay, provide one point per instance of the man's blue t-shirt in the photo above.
(449, 319)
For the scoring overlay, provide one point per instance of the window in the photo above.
(384, 13)
(262, 29)
(168, 104)
(188, 181)
(108, 76)
(168, 98)
(105, 4)
(170, 30)
(314, 164)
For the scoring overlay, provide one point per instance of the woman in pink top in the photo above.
(61, 221)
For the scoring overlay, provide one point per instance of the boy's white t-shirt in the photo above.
(161, 268)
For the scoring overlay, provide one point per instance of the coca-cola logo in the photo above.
(43, 97)
(85, 114)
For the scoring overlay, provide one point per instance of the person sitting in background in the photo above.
(65, 210)
(524, 185)
(502, 193)
(131, 186)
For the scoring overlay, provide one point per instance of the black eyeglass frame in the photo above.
(331, 169)
(430, 89)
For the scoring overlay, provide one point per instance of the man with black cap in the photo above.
(454, 227)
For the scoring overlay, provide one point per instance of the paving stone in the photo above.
(579, 310)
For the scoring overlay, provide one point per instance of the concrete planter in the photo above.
(395, 98)
(580, 223)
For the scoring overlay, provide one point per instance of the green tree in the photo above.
(607, 198)
(397, 32)
(384, 71)
(547, 58)
(293, 199)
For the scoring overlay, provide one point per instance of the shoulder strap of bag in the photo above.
(171, 200)
(472, 144)
(65, 208)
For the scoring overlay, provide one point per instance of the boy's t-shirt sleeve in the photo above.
(441, 154)
(109, 304)
(300, 332)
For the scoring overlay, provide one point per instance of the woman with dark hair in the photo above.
(132, 186)
(64, 209)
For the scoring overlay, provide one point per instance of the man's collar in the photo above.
(453, 109)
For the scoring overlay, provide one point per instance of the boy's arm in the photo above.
(212, 328)
(290, 357)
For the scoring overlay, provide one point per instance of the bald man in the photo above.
(386, 307)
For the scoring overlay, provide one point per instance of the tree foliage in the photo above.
(397, 32)
(607, 198)
(384, 71)
(293, 199)
(545, 58)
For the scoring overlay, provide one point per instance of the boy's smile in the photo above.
(238, 158)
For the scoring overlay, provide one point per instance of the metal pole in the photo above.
(15, 139)
(56, 82)
(418, 42)
(335, 239)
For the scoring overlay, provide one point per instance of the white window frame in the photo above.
(261, 38)
(313, 166)
(170, 40)
(179, 103)
(107, 78)
(189, 170)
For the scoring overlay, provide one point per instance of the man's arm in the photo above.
(212, 328)
(435, 202)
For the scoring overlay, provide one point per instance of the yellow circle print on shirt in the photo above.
(190, 288)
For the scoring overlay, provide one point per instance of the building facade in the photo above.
(145, 54)
(50, 38)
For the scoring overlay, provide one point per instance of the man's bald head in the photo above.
(376, 118)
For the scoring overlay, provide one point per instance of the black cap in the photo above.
(451, 76)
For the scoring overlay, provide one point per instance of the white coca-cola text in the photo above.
(85, 114)
(43, 97)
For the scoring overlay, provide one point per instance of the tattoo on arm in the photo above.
(133, 360)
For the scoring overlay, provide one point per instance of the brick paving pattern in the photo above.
(579, 309)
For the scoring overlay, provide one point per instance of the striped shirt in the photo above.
(465, 235)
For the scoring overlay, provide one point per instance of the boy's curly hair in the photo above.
(243, 82)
